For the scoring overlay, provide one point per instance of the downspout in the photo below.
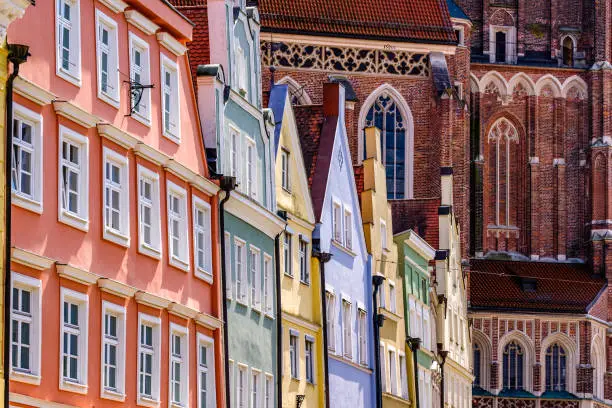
(279, 326)
(323, 258)
(443, 354)
(228, 183)
(415, 343)
(378, 320)
(17, 54)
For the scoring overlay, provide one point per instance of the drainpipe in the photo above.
(17, 54)
(228, 183)
(443, 354)
(378, 319)
(415, 343)
(279, 326)
(323, 258)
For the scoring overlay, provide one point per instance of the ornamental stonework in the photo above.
(344, 59)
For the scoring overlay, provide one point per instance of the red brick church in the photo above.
(514, 99)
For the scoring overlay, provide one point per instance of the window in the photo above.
(232, 383)
(269, 392)
(241, 70)
(177, 226)
(500, 46)
(287, 261)
(309, 358)
(348, 229)
(255, 388)
(68, 37)
(330, 305)
(382, 301)
(140, 74)
(460, 35)
(477, 354)
(404, 378)
(241, 270)
(206, 372)
(392, 371)
(234, 154)
(202, 239)
(255, 277)
(148, 358)
(383, 367)
(74, 341)
(568, 51)
(285, 169)
(386, 115)
(268, 285)
(170, 99)
(229, 282)
(149, 234)
(362, 332)
(116, 198)
(251, 169)
(337, 222)
(556, 368)
(303, 255)
(383, 234)
(113, 351)
(241, 383)
(392, 298)
(108, 62)
(74, 179)
(347, 333)
(25, 328)
(26, 174)
(179, 365)
(513, 363)
(294, 353)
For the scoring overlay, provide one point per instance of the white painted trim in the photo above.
(153, 250)
(75, 274)
(82, 299)
(74, 77)
(151, 154)
(178, 262)
(35, 402)
(141, 22)
(301, 322)
(552, 82)
(208, 321)
(523, 79)
(136, 42)
(111, 97)
(116, 6)
(420, 246)
(120, 312)
(32, 91)
(76, 114)
(205, 273)
(183, 311)
(144, 318)
(254, 214)
(171, 43)
(166, 64)
(116, 288)
(31, 259)
(121, 236)
(114, 134)
(151, 300)
(183, 332)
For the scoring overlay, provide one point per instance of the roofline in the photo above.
(167, 3)
(530, 261)
(597, 297)
(536, 311)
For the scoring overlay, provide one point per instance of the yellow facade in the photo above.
(378, 230)
(300, 292)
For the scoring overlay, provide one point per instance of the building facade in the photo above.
(115, 289)
(338, 231)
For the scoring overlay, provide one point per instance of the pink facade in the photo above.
(122, 261)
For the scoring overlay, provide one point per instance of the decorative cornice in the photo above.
(35, 402)
(182, 311)
(152, 300)
(298, 321)
(32, 91)
(116, 6)
(254, 214)
(209, 321)
(11, 10)
(419, 245)
(171, 43)
(116, 288)
(147, 152)
(76, 274)
(30, 259)
(179, 170)
(117, 135)
(75, 114)
(138, 20)
(204, 184)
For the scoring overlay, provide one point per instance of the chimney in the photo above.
(446, 174)
(333, 100)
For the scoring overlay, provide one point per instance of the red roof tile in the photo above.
(559, 287)
(309, 119)
(400, 20)
(420, 215)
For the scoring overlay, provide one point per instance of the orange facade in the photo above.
(81, 233)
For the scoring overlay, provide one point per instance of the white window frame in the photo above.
(79, 385)
(255, 389)
(383, 367)
(153, 249)
(268, 288)
(330, 300)
(73, 73)
(180, 260)
(229, 276)
(268, 391)
(240, 72)
(392, 297)
(202, 232)
(309, 359)
(241, 273)
(33, 201)
(174, 132)
(119, 312)
(362, 335)
(348, 228)
(119, 236)
(32, 285)
(347, 329)
(254, 270)
(208, 344)
(383, 235)
(304, 259)
(294, 354)
(234, 144)
(251, 179)
(337, 219)
(382, 300)
(183, 359)
(232, 381)
(155, 351)
(392, 355)
(80, 219)
(285, 170)
(143, 114)
(111, 95)
(510, 31)
(403, 376)
(287, 254)
(242, 394)
(461, 39)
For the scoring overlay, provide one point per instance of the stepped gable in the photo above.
(420, 215)
(397, 20)
(529, 286)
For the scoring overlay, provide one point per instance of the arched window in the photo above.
(556, 368)
(477, 364)
(568, 51)
(503, 138)
(514, 359)
(386, 116)
(598, 362)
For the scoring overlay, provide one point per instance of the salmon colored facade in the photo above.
(115, 231)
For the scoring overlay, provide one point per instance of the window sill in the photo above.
(116, 237)
(294, 378)
(145, 120)
(26, 203)
(147, 250)
(73, 387)
(305, 283)
(344, 249)
(203, 275)
(112, 395)
(179, 264)
(257, 309)
(114, 102)
(289, 275)
(269, 315)
(242, 302)
(171, 137)
(147, 402)
(68, 76)
(287, 190)
(27, 378)
(73, 220)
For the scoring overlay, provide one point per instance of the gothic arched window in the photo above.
(556, 368)
(477, 364)
(386, 116)
(568, 51)
(514, 360)
(502, 138)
